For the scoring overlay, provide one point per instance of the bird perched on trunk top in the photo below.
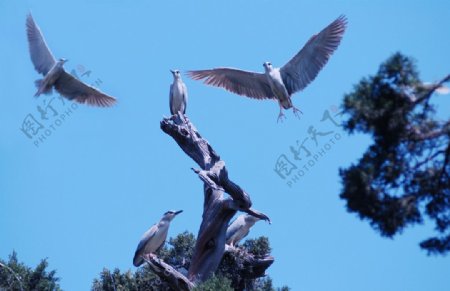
(55, 75)
(154, 237)
(280, 83)
(240, 228)
(178, 94)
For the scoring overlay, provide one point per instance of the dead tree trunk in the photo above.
(218, 209)
(174, 279)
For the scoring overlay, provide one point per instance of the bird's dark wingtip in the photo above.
(190, 74)
(195, 75)
(94, 101)
(342, 19)
(30, 19)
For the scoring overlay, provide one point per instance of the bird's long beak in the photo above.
(172, 71)
(178, 212)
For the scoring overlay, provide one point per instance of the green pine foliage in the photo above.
(215, 283)
(258, 247)
(177, 253)
(404, 174)
(16, 276)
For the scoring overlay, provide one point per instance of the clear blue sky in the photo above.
(85, 195)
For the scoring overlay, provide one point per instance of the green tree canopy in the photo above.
(16, 276)
(229, 275)
(403, 175)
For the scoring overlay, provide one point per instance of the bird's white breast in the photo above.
(278, 88)
(276, 84)
(178, 96)
(177, 89)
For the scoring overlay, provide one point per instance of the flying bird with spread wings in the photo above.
(54, 74)
(280, 83)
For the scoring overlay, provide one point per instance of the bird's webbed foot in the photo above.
(297, 112)
(281, 116)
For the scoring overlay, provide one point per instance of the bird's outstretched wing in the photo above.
(41, 56)
(137, 259)
(250, 84)
(303, 68)
(73, 89)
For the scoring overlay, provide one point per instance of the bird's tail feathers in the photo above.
(46, 90)
(38, 83)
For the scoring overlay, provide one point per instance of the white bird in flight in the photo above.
(178, 94)
(55, 75)
(280, 83)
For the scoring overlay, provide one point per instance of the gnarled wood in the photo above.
(217, 209)
(174, 279)
(251, 266)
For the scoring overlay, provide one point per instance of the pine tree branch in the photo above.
(252, 266)
(431, 90)
(14, 274)
(416, 135)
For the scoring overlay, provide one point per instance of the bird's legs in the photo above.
(296, 111)
(281, 116)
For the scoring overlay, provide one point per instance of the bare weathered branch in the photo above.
(189, 140)
(208, 179)
(258, 214)
(175, 279)
(218, 210)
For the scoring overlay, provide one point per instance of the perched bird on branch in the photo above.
(154, 237)
(178, 94)
(280, 83)
(55, 75)
(240, 228)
